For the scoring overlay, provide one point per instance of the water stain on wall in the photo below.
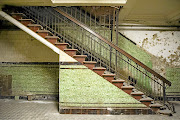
(145, 41)
(154, 36)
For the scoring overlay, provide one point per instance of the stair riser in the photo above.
(17, 17)
(90, 66)
(147, 103)
(70, 53)
(137, 97)
(26, 22)
(119, 85)
(99, 72)
(155, 109)
(80, 60)
(43, 34)
(128, 91)
(34, 28)
(109, 78)
(62, 47)
(52, 40)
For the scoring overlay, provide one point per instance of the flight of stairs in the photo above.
(90, 64)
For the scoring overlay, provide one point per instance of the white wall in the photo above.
(163, 44)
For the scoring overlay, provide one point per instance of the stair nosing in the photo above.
(80, 56)
(61, 43)
(99, 68)
(39, 31)
(70, 49)
(118, 81)
(89, 62)
(108, 75)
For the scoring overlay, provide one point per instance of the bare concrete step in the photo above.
(155, 107)
(127, 89)
(89, 64)
(70, 52)
(61, 46)
(108, 77)
(118, 83)
(99, 70)
(137, 95)
(80, 58)
(147, 101)
(165, 112)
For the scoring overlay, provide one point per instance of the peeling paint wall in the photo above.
(164, 49)
(165, 44)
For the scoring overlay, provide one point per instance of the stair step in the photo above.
(146, 101)
(62, 46)
(43, 33)
(127, 89)
(17, 16)
(34, 27)
(52, 39)
(118, 83)
(108, 77)
(70, 52)
(26, 21)
(89, 64)
(80, 58)
(99, 70)
(165, 112)
(137, 95)
(155, 107)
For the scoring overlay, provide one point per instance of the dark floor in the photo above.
(48, 110)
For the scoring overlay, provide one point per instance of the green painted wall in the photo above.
(173, 75)
(32, 79)
(17, 46)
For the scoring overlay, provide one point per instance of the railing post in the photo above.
(164, 93)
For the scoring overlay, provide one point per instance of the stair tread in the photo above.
(165, 112)
(146, 99)
(52, 37)
(155, 105)
(127, 87)
(118, 81)
(70, 49)
(84, 56)
(137, 93)
(99, 68)
(89, 62)
(108, 75)
(17, 14)
(42, 31)
(26, 20)
(34, 25)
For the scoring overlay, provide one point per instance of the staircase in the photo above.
(96, 53)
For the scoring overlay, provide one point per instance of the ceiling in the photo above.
(139, 12)
(151, 12)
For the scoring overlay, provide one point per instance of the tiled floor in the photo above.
(48, 110)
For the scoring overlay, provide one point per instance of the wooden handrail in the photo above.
(114, 46)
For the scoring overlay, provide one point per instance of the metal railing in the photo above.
(99, 49)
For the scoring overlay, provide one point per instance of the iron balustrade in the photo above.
(98, 49)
